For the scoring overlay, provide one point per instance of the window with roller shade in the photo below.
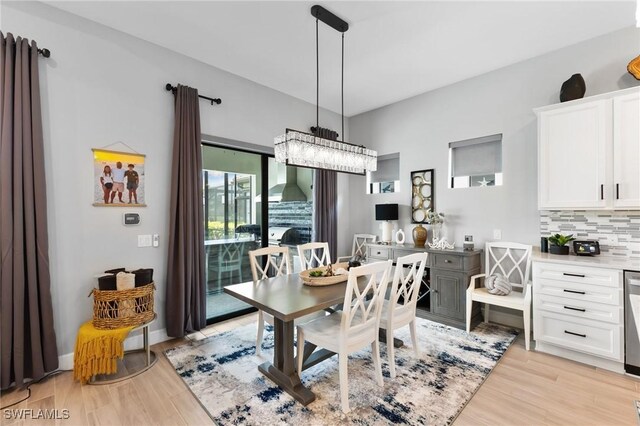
(386, 178)
(476, 162)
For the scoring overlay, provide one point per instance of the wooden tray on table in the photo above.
(322, 281)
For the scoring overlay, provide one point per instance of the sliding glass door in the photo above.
(250, 201)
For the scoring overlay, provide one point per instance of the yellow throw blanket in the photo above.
(97, 351)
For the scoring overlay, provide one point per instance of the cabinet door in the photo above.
(626, 151)
(448, 294)
(572, 156)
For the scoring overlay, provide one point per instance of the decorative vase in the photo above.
(554, 249)
(634, 67)
(574, 88)
(400, 237)
(436, 231)
(419, 235)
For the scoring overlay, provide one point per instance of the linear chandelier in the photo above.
(310, 150)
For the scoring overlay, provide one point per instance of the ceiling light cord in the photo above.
(342, 89)
(317, 83)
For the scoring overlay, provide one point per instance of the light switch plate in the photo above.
(156, 240)
(144, 240)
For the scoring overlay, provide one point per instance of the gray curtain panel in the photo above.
(325, 217)
(28, 342)
(186, 286)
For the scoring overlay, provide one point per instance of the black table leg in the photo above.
(382, 337)
(283, 369)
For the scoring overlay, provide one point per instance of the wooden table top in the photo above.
(286, 297)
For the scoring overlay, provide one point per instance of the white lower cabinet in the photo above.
(578, 313)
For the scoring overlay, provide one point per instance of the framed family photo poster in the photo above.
(119, 179)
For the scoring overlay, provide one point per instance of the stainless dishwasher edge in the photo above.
(632, 337)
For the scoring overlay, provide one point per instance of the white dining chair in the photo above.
(313, 255)
(353, 328)
(276, 259)
(400, 309)
(359, 247)
(513, 261)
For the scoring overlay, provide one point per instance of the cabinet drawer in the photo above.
(591, 337)
(578, 274)
(579, 308)
(381, 253)
(579, 292)
(447, 261)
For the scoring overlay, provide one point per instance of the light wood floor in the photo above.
(526, 388)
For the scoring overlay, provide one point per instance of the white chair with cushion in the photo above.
(353, 328)
(277, 259)
(400, 309)
(359, 247)
(313, 255)
(510, 264)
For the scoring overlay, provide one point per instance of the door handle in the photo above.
(574, 291)
(617, 191)
(575, 334)
(602, 191)
(575, 309)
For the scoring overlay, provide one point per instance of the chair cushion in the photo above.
(514, 300)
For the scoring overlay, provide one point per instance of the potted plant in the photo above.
(558, 242)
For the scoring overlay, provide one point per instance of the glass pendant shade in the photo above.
(303, 149)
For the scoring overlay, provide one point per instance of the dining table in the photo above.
(287, 298)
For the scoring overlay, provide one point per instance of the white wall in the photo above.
(420, 129)
(101, 86)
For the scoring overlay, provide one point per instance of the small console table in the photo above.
(442, 297)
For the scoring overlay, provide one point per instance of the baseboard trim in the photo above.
(134, 341)
(615, 366)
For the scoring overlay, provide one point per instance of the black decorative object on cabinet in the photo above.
(574, 88)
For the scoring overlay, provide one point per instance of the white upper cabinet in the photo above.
(626, 151)
(589, 153)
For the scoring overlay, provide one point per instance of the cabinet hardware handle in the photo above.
(602, 191)
(573, 275)
(447, 261)
(575, 334)
(574, 291)
(575, 309)
(617, 191)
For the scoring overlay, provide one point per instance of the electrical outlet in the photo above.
(497, 234)
(156, 240)
(144, 240)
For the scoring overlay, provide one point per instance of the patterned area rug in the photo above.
(432, 389)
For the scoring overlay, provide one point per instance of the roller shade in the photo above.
(476, 157)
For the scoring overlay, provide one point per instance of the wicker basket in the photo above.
(123, 308)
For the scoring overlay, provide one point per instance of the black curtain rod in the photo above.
(173, 89)
(44, 52)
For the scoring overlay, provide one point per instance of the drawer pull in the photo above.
(574, 291)
(575, 334)
(447, 261)
(575, 309)
(573, 275)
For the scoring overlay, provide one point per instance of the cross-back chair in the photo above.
(513, 261)
(313, 255)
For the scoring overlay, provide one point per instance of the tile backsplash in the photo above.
(618, 232)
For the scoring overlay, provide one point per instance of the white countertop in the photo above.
(599, 261)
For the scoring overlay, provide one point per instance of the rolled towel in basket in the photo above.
(497, 284)
(126, 281)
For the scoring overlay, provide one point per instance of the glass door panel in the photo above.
(290, 207)
(232, 210)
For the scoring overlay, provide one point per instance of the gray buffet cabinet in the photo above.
(445, 282)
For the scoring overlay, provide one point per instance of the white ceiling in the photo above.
(394, 50)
